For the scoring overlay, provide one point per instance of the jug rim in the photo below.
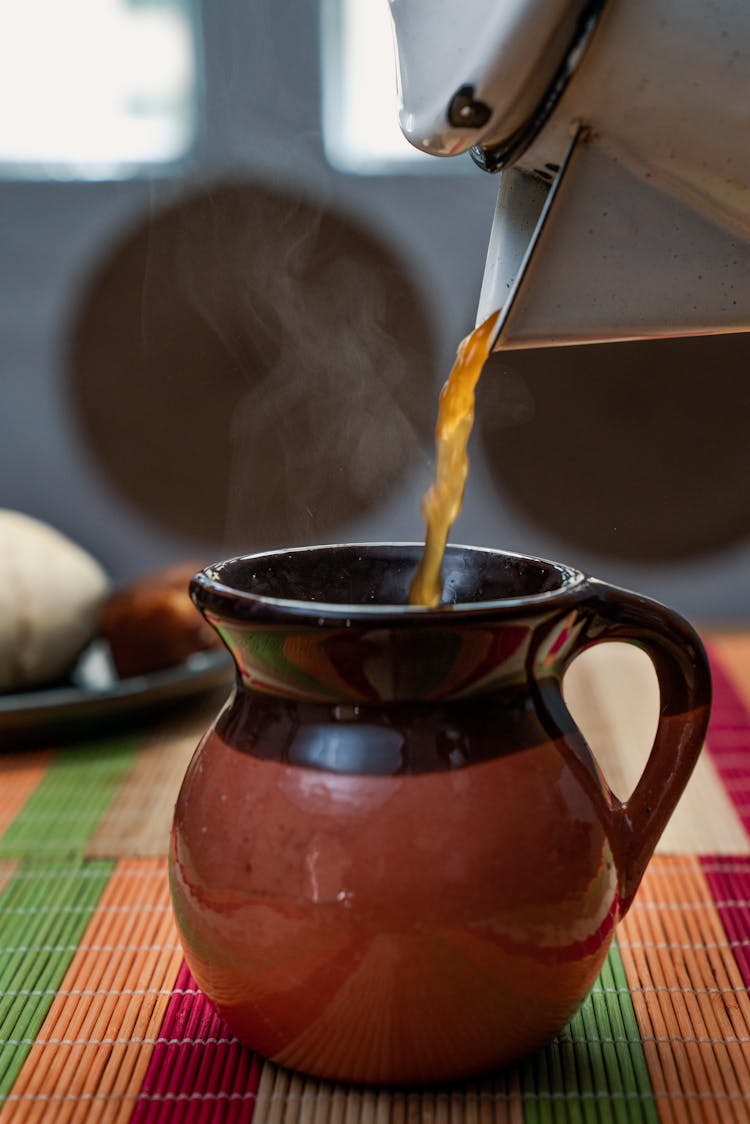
(211, 592)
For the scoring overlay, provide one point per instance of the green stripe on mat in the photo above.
(44, 911)
(64, 810)
(595, 1072)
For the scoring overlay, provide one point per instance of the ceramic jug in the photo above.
(394, 858)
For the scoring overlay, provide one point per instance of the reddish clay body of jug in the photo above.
(393, 857)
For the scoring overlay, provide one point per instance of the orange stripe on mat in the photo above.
(692, 1009)
(20, 773)
(93, 1048)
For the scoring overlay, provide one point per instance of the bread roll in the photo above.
(50, 594)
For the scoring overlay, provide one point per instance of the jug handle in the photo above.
(684, 678)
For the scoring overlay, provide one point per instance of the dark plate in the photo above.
(95, 699)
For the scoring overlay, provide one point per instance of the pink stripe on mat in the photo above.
(729, 740)
(729, 879)
(198, 1073)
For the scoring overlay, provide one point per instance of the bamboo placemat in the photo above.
(101, 1021)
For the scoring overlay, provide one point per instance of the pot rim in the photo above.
(212, 594)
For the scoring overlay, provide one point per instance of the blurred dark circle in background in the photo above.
(251, 369)
(636, 451)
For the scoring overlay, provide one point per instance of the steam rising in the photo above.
(328, 344)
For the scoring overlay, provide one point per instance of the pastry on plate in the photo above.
(152, 624)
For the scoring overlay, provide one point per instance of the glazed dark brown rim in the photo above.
(213, 595)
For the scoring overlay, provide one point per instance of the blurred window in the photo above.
(96, 89)
(360, 101)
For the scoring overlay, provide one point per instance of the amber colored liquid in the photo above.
(442, 501)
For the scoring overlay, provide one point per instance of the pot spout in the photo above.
(608, 251)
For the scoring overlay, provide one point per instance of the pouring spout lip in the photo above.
(217, 591)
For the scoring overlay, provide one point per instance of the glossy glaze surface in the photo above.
(393, 858)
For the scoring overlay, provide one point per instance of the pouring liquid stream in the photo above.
(442, 501)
